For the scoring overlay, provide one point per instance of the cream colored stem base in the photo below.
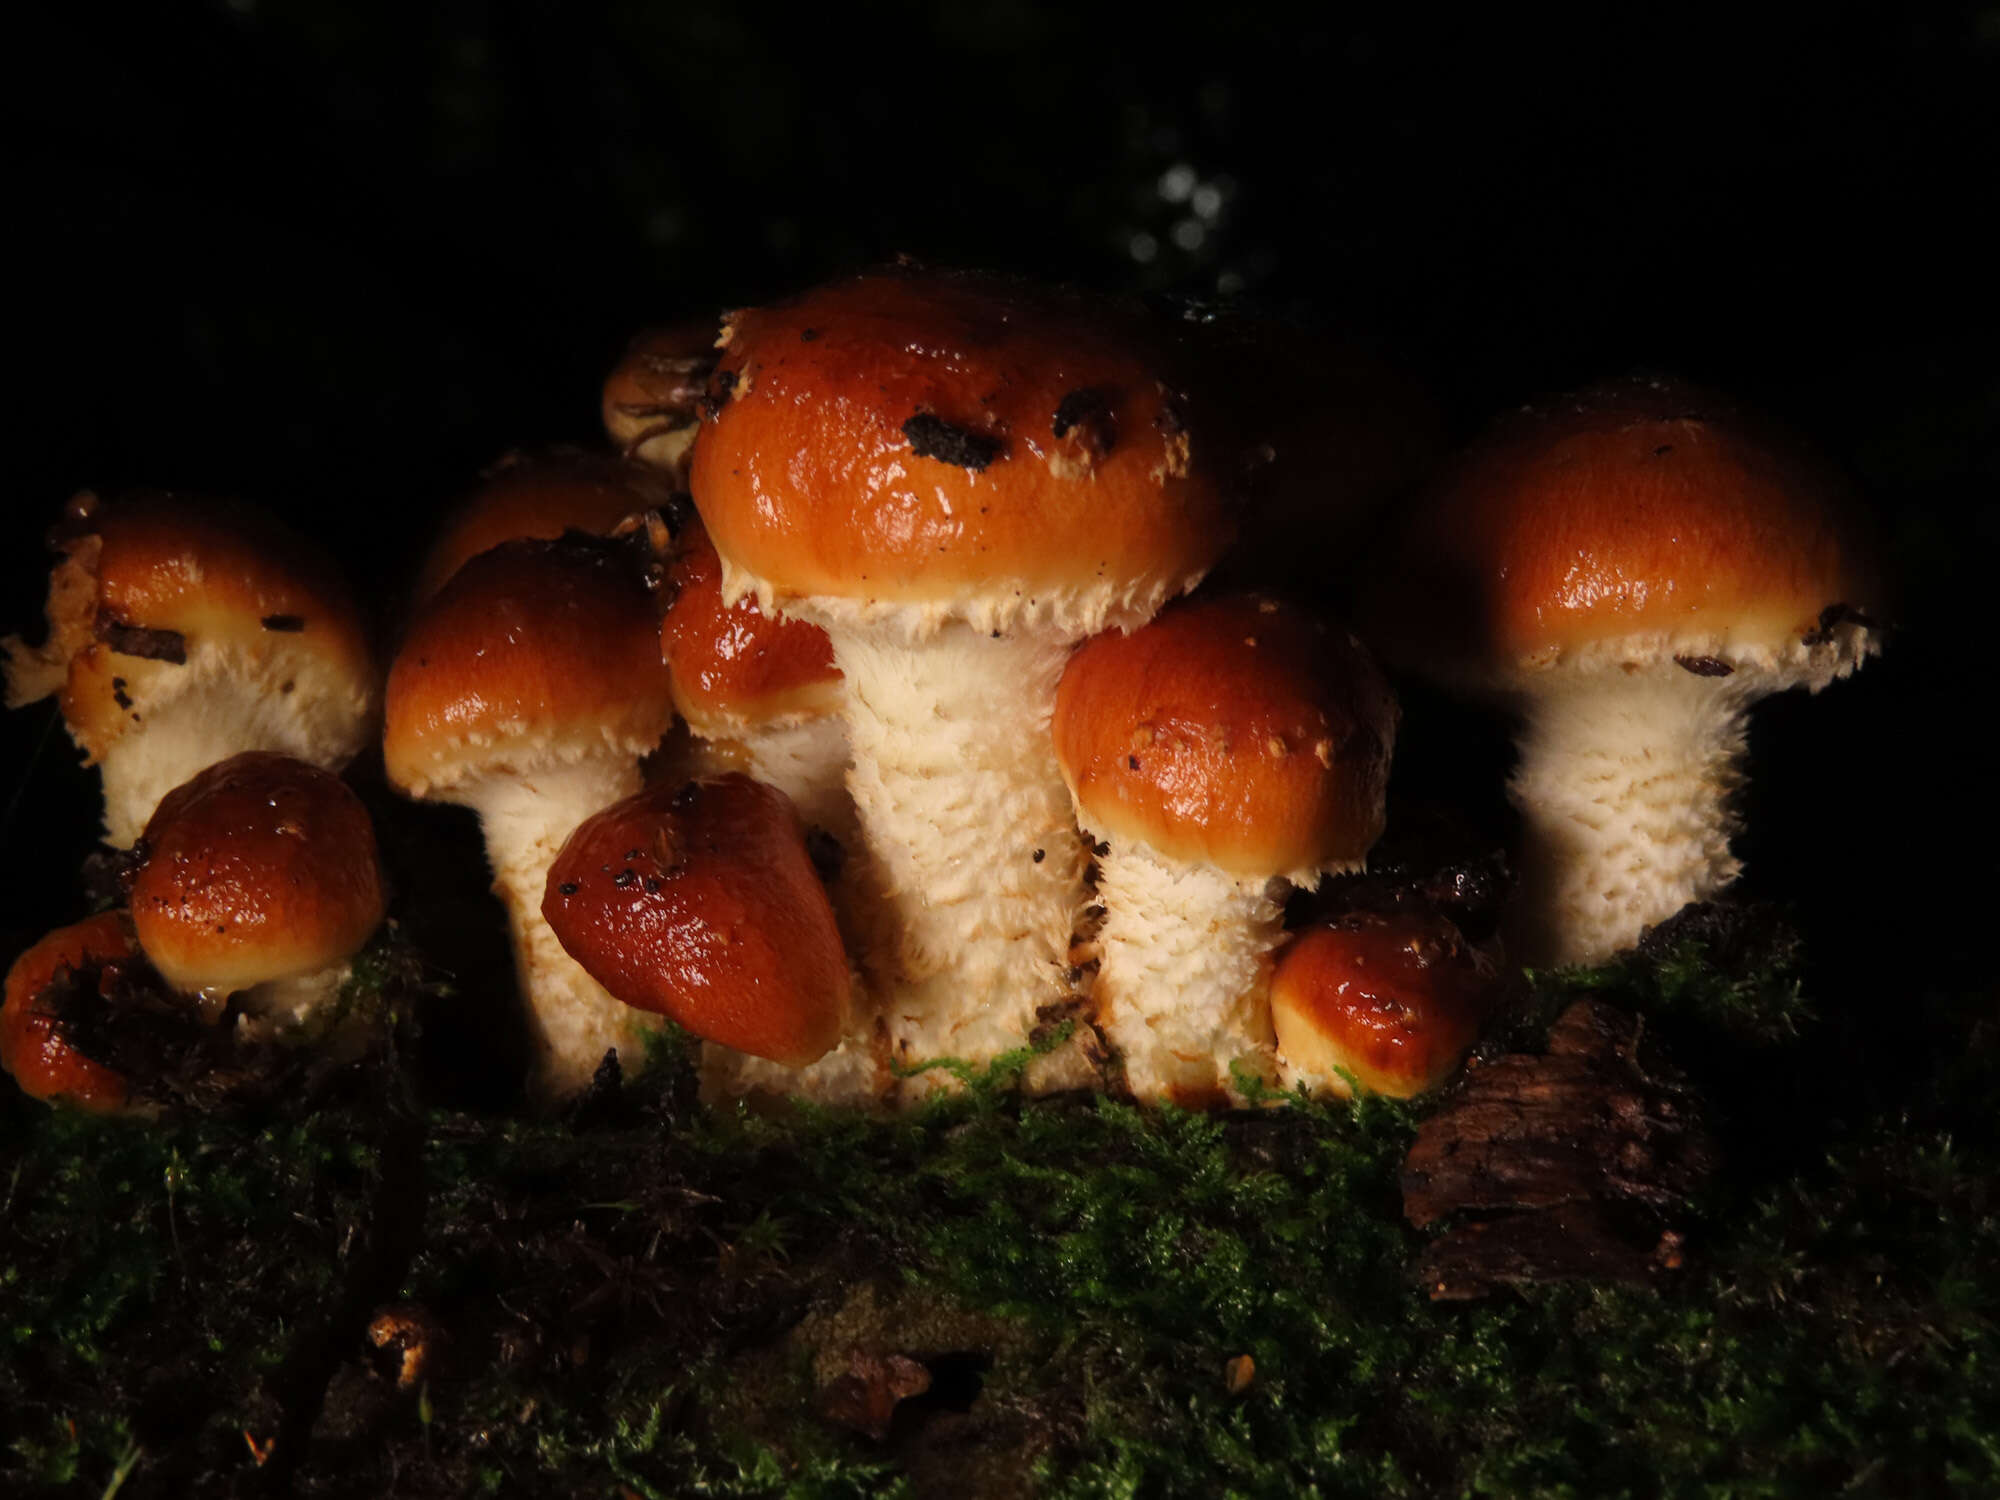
(571, 1018)
(1624, 788)
(968, 836)
(1182, 986)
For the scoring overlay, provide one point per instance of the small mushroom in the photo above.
(701, 903)
(1391, 1002)
(528, 689)
(33, 1047)
(1228, 750)
(260, 881)
(540, 495)
(653, 396)
(1628, 569)
(182, 631)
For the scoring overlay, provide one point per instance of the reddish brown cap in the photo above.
(535, 653)
(1395, 1000)
(1643, 511)
(32, 1046)
(652, 396)
(260, 868)
(701, 903)
(733, 665)
(148, 579)
(541, 496)
(1238, 732)
(969, 445)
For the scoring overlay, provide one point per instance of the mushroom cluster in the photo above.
(906, 688)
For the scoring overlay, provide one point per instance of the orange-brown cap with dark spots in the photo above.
(260, 868)
(701, 903)
(733, 665)
(535, 653)
(32, 1046)
(971, 446)
(1238, 732)
(1396, 1001)
(1641, 511)
(147, 580)
(541, 496)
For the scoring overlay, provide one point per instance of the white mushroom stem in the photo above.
(1624, 787)
(1184, 972)
(526, 818)
(807, 761)
(966, 823)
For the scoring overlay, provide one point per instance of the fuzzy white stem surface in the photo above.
(1183, 981)
(969, 842)
(1624, 787)
(526, 819)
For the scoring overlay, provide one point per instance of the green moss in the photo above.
(651, 1297)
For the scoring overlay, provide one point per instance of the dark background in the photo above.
(335, 258)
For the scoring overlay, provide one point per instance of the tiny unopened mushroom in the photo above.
(33, 1048)
(1233, 747)
(701, 903)
(260, 881)
(182, 631)
(1629, 569)
(958, 477)
(528, 689)
(1390, 1002)
(541, 495)
(653, 396)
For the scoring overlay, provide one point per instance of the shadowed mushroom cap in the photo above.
(541, 496)
(733, 665)
(536, 653)
(701, 903)
(1634, 522)
(1393, 1000)
(32, 1046)
(1238, 732)
(964, 445)
(149, 579)
(652, 396)
(260, 868)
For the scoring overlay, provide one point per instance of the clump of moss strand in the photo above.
(649, 1298)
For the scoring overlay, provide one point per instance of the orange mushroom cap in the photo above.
(733, 665)
(541, 496)
(32, 1046)
(260, 868)
(1394, 1000)
(1237, 731)
(962, 443)
(1640, 510)
(701, 903)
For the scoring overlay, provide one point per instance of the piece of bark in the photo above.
(1559, 1166)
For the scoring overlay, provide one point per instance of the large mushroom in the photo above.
(528, 689)
(1628, 569)
(33, 1045)
(541, 495)
(958, 477)
(182, 631)
(1232, 748)
(259, 883)
(700, 902)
